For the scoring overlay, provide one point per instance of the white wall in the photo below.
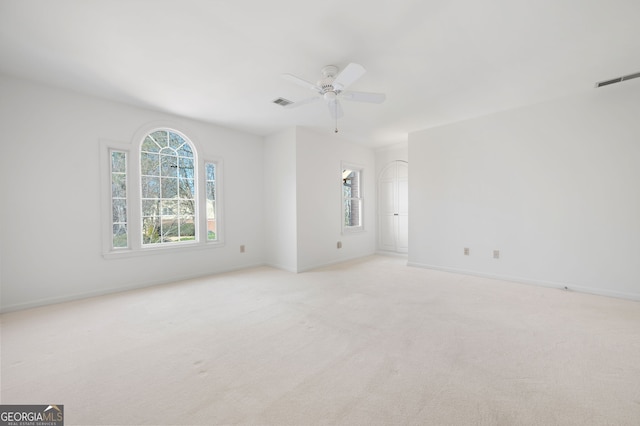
(50, 193)
(389, 154)
(319, 199)
(554, 187)
(280, 224)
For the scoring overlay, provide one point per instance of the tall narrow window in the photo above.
(351, 198)
(167, 178)
(119, 199)
(210, 169)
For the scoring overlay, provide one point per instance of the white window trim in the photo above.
(134, 220)
(106, 147)
(202, 193)
(352, 229)
(136, 243)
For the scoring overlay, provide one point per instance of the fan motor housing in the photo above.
(326, 84)
(330, 71)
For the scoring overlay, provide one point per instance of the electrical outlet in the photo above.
(242, 248)
(339, 245)
(466, 251)
(496, 254)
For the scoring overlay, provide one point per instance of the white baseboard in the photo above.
(282, 267)
(333, 262)
(392, 254)
(86, 295)
(551, 284)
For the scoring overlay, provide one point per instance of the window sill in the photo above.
(150, 251)
(354, 230)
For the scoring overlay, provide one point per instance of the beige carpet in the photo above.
(371, 342)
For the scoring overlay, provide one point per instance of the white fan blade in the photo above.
(348, 75)
(374, 98)
(304, 83)
(335, 109)
(303, 102)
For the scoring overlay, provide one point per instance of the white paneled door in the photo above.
(393, 208)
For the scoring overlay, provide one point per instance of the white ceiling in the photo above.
(438, 61)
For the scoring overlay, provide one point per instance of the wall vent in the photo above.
(282, 102)
(618, 79)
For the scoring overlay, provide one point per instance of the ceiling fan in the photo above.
(331, 87)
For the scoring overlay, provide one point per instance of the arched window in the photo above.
(166, 196)
(168, 189)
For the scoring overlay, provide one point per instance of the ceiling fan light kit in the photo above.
(329, 96)
(331, 87)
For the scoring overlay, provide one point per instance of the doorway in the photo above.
(393, 207)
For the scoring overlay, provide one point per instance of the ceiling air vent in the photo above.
(282, 102)
(618, 79)
(630, 76)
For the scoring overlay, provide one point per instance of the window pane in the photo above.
(118, 162)
(187, 188)
(169, 188)
(347, 212)
(149, 164)
(187, 228)
(160, 137)
(355, 187)
(120, 236)
(355, 212)
(210, 169)
(169, 229)
(175, 140)
(351, 183)
(168, 165)
(211, 190)
(352, 212)
(119, 210)
(169, 208)
(150, 145)
(211, 229)
(150, 187)
(150, 207)
(118, 185)
(150, 230)
(185, 167)
(211, 220)
(186, 208)
(185, 151)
